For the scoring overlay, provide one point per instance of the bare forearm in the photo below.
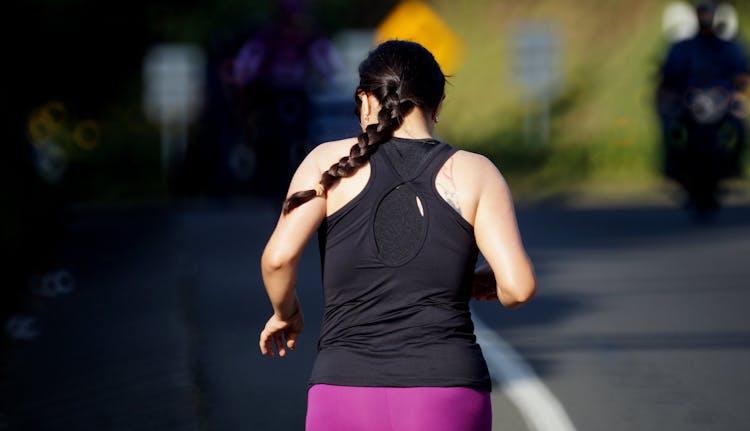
(280, 281)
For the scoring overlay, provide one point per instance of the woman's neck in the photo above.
(416, 125)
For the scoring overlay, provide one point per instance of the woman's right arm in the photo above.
(281, 256)
(498, 238)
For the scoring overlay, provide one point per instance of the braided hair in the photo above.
(401, 75)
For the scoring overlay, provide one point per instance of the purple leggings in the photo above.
(354, 408)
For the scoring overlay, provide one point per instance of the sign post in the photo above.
(536, 52)
(173, 77)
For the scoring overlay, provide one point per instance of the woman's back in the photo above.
(398, 265)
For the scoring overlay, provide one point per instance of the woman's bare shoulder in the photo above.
(474, 164)
(327, 153)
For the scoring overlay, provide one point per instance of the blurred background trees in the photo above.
(86, 58)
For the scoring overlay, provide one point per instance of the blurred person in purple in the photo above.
(700, 105)
(274, 71)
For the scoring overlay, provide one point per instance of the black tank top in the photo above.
(397, 283)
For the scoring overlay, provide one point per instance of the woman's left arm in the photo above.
(281, 256)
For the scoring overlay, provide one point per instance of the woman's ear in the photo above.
(365, 106)
(369, 110)
(364, 109)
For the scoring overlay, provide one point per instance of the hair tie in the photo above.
(319, 189)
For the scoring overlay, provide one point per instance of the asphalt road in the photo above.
(640, 323)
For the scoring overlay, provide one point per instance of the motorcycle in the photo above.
(704, 140)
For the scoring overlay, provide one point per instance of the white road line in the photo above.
(540, 409)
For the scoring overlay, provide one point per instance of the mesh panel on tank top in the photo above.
(399, 222)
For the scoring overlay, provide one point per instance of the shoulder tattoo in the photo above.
(447, 186)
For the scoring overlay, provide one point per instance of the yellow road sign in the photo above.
(416, 21)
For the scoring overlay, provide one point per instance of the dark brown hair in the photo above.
(401, 75)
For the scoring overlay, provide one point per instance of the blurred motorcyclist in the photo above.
(700, 105)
